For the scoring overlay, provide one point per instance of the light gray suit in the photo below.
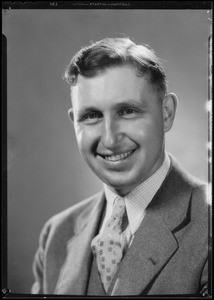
(169, 254)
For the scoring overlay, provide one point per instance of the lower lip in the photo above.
(117, 162)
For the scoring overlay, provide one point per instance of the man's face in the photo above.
(118, 122)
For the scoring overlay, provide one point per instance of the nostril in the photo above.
(111, 140)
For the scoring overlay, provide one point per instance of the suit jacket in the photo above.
(168, 256)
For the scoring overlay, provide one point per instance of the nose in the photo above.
(111, 133)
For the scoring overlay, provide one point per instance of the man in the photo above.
(146, 233)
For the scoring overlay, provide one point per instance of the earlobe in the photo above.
(71, 114)
(169, 107)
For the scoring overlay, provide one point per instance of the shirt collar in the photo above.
(138, 199)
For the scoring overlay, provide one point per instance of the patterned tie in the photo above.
(108, 246)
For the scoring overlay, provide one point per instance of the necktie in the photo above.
(108, 246)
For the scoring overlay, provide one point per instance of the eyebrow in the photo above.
(129, 103)
(86, 109)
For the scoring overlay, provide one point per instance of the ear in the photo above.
(71, 114)
(169, 107)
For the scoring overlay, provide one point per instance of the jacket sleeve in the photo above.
(38, 262)
(204, 285)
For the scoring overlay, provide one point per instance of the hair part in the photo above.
(94, 59)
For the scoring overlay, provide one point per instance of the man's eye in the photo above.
(93, 115)
(126, 111)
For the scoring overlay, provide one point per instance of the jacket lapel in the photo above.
(151, 248)
(74, 275)
(154, 242)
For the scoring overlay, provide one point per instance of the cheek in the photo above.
(85, 139)
(146, 130)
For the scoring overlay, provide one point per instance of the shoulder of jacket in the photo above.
(181, 174)
(186, 184)
(67, 218)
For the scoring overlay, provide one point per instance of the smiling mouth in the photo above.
(117, 157)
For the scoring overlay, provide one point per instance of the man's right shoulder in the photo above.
(67, 220)
(74, 211)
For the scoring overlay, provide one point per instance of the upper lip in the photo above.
(115, 153)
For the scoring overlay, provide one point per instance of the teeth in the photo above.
(118, 156)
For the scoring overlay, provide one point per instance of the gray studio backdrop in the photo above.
(46, 173)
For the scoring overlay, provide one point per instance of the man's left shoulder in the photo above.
(199, 200)
(187, 183)
(185, 177)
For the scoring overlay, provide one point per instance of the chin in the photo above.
(121, 185)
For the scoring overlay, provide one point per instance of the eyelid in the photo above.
(85, 116)
(122, 109)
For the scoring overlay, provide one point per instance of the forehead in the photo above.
(114, 84)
